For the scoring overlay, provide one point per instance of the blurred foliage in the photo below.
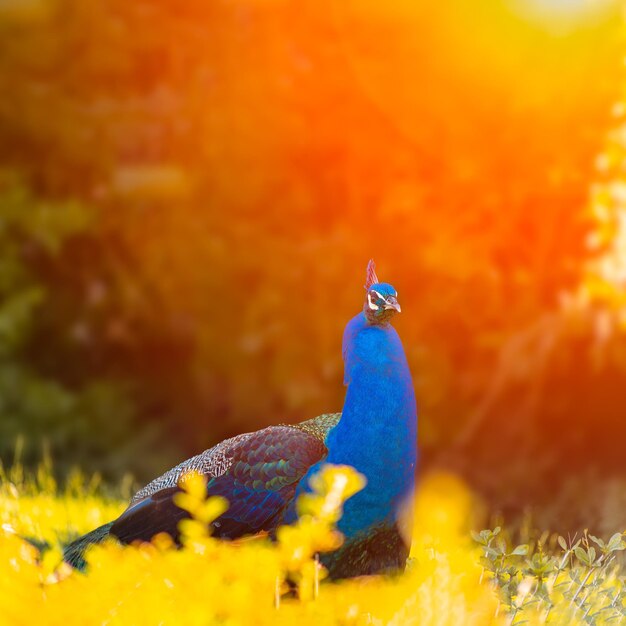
(203, 184)
(575, 582)
(39, 411)
(39, 509)
(450, 580)
(249, 581)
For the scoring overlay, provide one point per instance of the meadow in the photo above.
(455, 576)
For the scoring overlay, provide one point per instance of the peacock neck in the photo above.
(377, 431)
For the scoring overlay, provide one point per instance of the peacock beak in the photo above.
(392, 303)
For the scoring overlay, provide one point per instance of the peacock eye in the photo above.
(372, 298)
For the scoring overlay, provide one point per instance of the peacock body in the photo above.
(262, 473)
(256, 472)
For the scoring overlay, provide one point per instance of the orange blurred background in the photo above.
(190, 194)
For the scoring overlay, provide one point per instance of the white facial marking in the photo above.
(378, 294)
(372, 306)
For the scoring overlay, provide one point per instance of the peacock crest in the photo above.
(370, 275)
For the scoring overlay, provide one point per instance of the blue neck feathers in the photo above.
(377, 430)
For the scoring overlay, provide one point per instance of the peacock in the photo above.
(262, 473)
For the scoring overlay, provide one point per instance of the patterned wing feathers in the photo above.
(257, 473)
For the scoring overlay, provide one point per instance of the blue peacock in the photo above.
(262, 473)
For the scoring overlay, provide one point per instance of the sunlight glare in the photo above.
(562, 15)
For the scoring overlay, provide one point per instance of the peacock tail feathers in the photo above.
(74, 553)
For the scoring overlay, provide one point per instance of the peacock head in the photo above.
(381, 300)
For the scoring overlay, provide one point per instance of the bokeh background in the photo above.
(190, 192)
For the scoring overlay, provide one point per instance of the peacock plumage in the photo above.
(262, 473)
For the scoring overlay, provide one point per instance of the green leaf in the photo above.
(581, 555)
(487, 564)
(615, 543)
(521, 550)
(592, 554)
(562, 543)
